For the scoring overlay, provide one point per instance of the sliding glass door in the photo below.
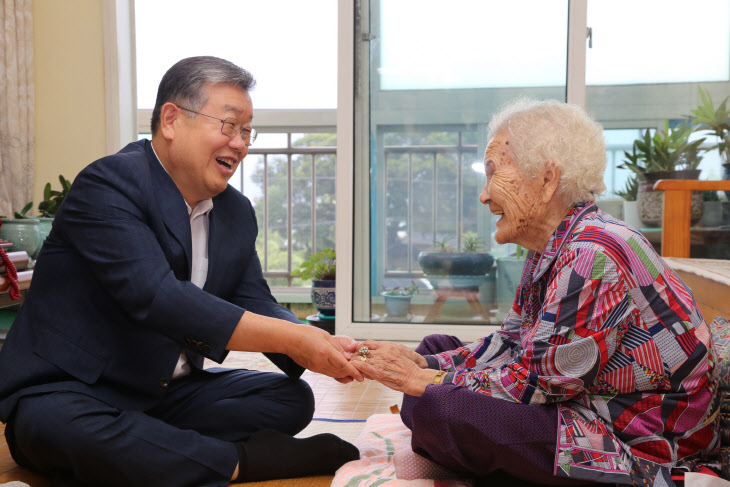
(428, 77)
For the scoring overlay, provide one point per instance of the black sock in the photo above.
(271, 454)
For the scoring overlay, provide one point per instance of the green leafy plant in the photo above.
(521, 252)
(710, 196)
(443, 244)
(409, 290)
(716, 120)
(319, 265)
(52, 199)
(666, 150)
(630, 190)
(471, 242)
(22, 214)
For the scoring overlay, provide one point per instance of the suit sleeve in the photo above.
(253, 294)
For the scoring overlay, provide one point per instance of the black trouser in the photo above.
(187, 439)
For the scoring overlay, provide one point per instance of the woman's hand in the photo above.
(394, 366)
(396, 347)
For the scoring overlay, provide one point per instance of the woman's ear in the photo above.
(550, 180)
(168, 115)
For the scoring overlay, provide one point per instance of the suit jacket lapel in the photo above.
(217, 232)
(172, 205)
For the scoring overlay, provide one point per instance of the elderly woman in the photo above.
(603, 369)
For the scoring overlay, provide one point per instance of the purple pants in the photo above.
(474, 434)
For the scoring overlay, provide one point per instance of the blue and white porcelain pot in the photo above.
(323, 296)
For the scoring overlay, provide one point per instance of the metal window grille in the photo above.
(291, 154)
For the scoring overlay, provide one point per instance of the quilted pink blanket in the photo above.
(386, 460)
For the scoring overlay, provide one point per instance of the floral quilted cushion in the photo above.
(721, 337)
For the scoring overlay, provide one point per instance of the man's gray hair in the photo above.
(541, 131)
(185, 83)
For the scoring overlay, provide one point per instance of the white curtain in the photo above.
(17, 127)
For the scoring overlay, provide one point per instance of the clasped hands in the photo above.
(393, 365)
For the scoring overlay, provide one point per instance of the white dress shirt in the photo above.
(199, 268)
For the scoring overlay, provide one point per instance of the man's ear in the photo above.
(550, 180)
(168, 116)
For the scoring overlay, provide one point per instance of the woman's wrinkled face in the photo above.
(509, 193)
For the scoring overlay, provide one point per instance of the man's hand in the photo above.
(320, 352)
(309, 346)
(350, 347)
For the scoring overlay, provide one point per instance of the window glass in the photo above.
(289, 46)
(429, 44)
(644, 71)
(436, 72)
(658, 41)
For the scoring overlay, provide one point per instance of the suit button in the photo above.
(206, 348)
(164, 382)
(188, 342)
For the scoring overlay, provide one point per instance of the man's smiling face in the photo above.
(202, 158)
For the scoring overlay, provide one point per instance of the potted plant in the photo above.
(668, 154)
(717, 122)
(509, 273)
(22, 231)
(398, 300)
(712, 215)
(49, 206)
(630, 206)
(444, 260)
(321, 268)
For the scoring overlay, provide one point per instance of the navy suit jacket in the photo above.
(111, 303)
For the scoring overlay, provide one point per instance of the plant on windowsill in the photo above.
(446, 267)
(398, 300)
(717, 122)
(668, 154)
(52, 200)
(321, 268)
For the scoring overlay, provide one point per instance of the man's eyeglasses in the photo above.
(230, 127)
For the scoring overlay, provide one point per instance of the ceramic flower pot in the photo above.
(323, 297)
(44, 228)
(455, 263)
(397, 306)
(631, 214)
(651, 203)
(509, 273)
(24, 234)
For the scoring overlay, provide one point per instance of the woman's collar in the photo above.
(557, 239)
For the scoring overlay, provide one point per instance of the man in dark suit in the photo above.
(150, 267)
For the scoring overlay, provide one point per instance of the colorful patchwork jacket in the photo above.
(601, 326)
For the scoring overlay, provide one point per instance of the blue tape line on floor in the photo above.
(340, 420)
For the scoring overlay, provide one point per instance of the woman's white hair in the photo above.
(542, 131)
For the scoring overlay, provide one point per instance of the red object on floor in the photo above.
(12, 275)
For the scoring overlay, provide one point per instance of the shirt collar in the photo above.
(202, 207)
(557, 239)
